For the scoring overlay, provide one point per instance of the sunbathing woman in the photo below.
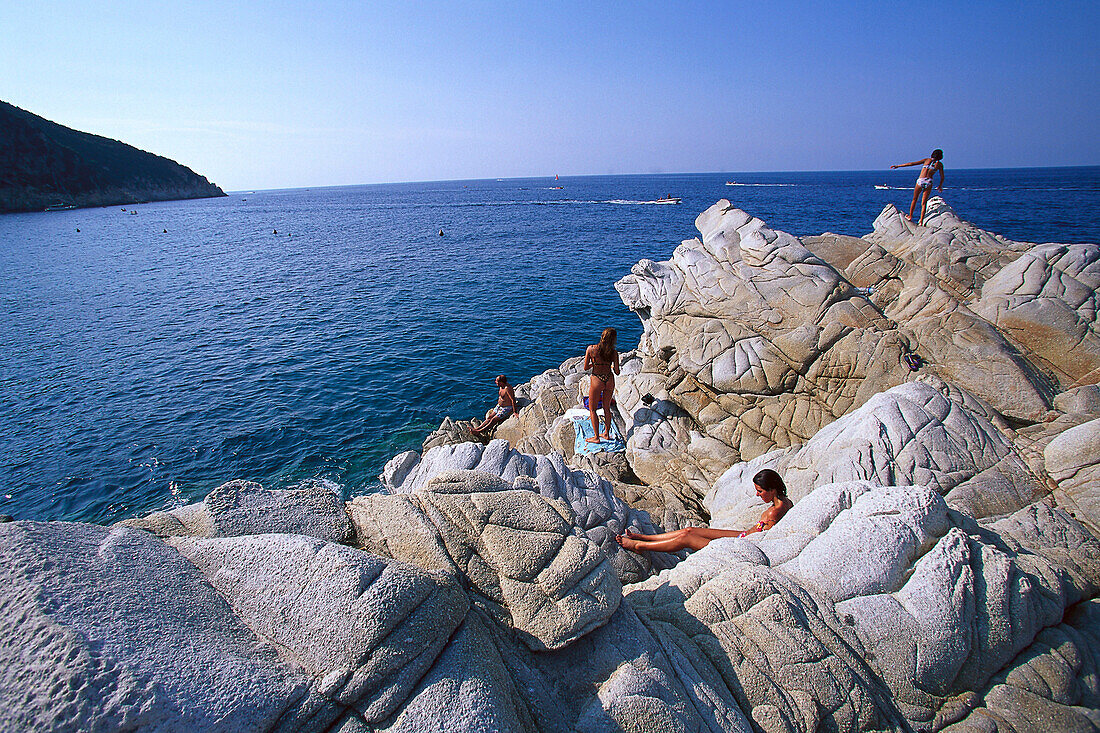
(769, 487)
(602, 359)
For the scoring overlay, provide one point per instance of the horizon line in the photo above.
(623, 175)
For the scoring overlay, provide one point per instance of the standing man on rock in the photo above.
(929, 166)
(506, 405)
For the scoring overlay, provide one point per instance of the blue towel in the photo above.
(582, 426)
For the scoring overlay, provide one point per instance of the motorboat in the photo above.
(668, 200)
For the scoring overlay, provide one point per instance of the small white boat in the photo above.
(731, 183)
(883, 186)
(668, 200)
(59, 207)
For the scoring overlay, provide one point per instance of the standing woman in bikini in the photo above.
(603, 360)
(929, 166)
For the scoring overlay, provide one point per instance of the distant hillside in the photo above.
(43, 164)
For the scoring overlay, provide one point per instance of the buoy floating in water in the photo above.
(441, 232)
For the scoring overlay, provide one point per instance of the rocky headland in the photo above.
(47, 165)
(928, 393)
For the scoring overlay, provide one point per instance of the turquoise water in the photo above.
(279, 336)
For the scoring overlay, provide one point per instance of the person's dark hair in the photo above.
(769, 480)
(937, 154)
(606, 347)
(501, 378)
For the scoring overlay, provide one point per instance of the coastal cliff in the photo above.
(928, 393)
(44, 164)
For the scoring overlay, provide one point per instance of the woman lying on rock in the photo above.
(769, 487)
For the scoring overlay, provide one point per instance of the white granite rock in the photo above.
(1073, 461)
(1046, 302)
(519, 552)
(752, 343)
(236, 508)
(597, 511)
(972, 602)
(761, 644)
(870, 546)
(919, 433)
(110, 629)
(467, 689)
(364, 628)
(1054, 684)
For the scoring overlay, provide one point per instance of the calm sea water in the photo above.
(279, 336)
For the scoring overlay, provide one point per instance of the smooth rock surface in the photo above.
(110, 629)
(364, 628)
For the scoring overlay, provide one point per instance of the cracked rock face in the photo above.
(597, 511)
(518, 552)
(972, 603)
(1046, 301)
(1072, 459)
(919, 433)
(755, 340)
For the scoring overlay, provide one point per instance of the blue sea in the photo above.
(282, 336)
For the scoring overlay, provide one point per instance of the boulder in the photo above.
(237, 508)
(364, 628)
(518, 553)
(959, 255)
(598, 513)
(467, 689)
(759, 643)
(1053, 684)
(111, 629)
(869, 546)
(923, 432)
(1073, 461)
(1045, 301)
(969, 605)
(953, 342)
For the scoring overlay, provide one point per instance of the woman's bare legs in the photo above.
(597, 391)
(913, 206)
(924, 204)
(689, 538)
(608, 390)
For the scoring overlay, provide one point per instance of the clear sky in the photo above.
(285, 94)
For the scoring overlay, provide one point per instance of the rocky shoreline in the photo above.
(929, 395)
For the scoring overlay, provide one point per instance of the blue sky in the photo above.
(286, 94)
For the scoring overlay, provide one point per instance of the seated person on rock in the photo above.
(506, 405)
(769, 487)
